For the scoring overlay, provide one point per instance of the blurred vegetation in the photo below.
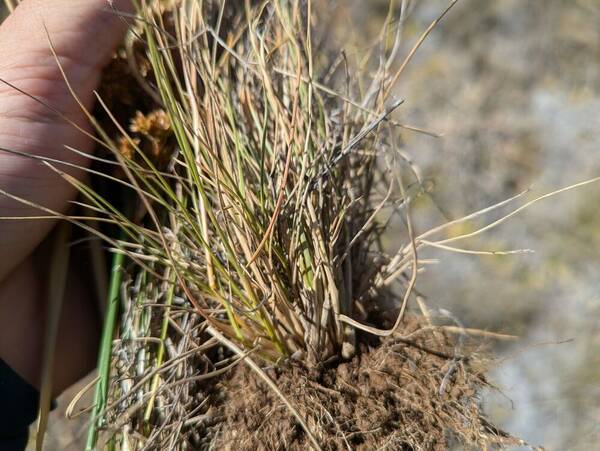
(514, 87)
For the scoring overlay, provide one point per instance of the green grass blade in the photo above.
(104, 354)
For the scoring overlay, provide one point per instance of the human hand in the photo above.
(84, 34)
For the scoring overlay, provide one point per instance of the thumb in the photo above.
(84, 34)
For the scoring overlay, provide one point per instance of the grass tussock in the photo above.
(248, 174)
(258, 166)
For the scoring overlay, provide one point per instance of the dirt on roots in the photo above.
(402, 394)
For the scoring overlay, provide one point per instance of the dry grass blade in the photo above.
(10, 5)
(57, 283)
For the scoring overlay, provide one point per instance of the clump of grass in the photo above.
(264, 218)
(245, 188)
(274, 176)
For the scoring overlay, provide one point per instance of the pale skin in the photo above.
(84, 34)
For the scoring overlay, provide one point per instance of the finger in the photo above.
(84, 34)
(23, 318)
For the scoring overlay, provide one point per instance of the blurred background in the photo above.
(514, 88)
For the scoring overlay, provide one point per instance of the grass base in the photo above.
(395, 394)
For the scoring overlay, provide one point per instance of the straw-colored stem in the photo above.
(57, 284)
